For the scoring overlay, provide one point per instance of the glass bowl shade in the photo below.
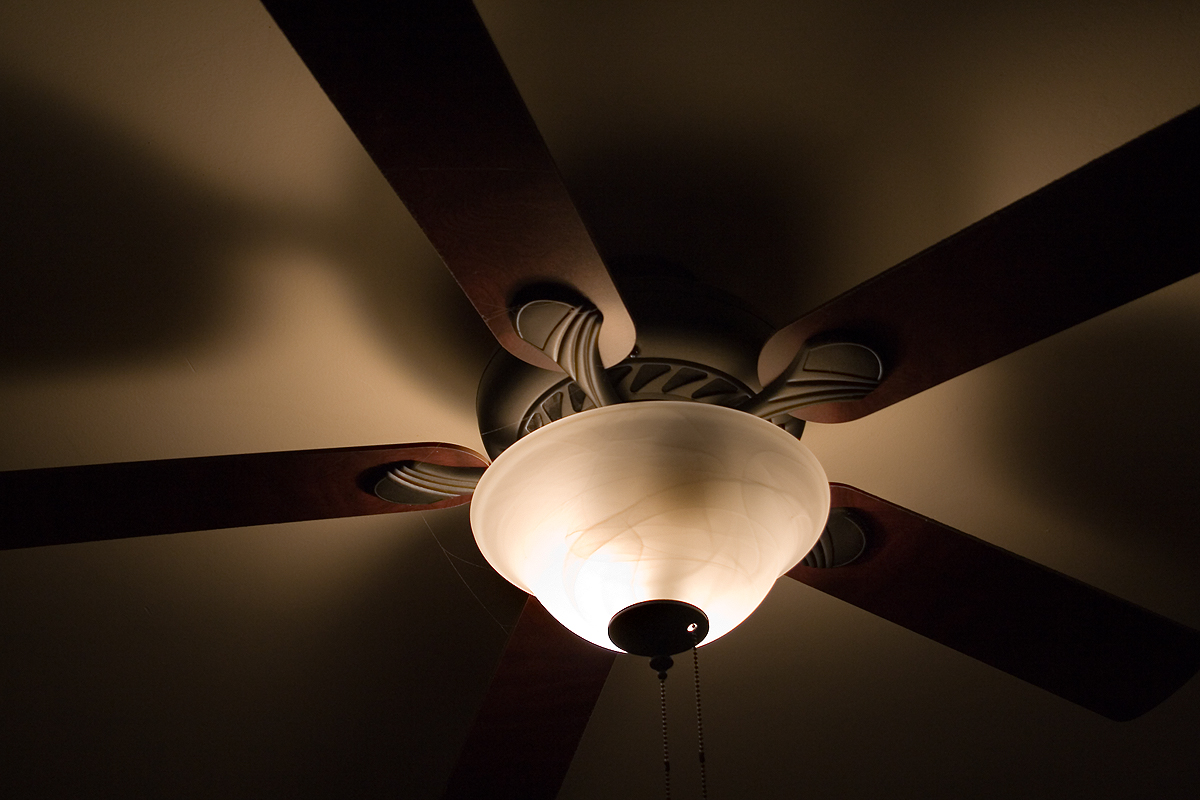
(650, 501)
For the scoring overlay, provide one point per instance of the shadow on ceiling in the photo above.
(113, 256)
(714, 210)
(1107, 431)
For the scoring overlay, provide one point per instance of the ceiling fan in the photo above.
(1070, 245)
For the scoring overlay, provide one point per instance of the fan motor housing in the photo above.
(694, 343)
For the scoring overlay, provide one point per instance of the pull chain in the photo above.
(662, 696)
(661, 664)
(699, 717)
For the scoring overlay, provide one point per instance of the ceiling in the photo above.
(199, 259)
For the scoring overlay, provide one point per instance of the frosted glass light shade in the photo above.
(650, 501)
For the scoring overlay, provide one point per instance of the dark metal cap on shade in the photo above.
(658, 628)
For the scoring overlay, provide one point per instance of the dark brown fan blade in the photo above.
(1114, 230)
(1036, 624)
(534, 713)
(422, 86)
(62, 505)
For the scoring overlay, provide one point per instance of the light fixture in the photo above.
(613, 509)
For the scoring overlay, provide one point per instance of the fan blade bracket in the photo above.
(842, 541)
(420, 483)
(827, 369)
(569, 334)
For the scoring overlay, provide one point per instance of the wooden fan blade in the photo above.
(534, 714)
(1036, 624)
(425, 91)
(62, 505)
(1114, 230)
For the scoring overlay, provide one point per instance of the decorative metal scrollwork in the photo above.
(416, 483)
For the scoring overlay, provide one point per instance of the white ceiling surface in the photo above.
(199, 259)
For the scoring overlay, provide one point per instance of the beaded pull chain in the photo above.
(661, 664)
(699, 716)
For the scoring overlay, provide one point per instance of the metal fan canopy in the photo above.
(624, 504)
